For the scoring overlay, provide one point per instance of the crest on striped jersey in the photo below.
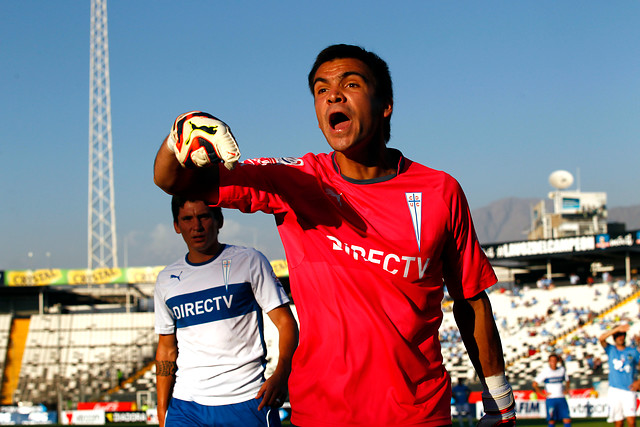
(226, 269)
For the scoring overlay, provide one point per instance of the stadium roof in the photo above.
(617, 252)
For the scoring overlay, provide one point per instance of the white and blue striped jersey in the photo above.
(216, 311)
(553, 380)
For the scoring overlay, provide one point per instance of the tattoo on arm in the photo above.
(166, 368)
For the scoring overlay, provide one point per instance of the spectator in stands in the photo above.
(556, 386)
(623, 367)
(613, 294)
(567, 354)
(210, 361)
(461, 393)
(597, 364)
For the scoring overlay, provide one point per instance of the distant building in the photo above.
(570, 244)
(575, 213)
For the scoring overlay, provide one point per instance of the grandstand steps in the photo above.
(11, 374)
(131, 380)
(623, 310)
(534, 323)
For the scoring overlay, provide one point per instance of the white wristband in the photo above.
(497, 394)
(495, 381)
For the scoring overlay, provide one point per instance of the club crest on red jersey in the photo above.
(414, 200)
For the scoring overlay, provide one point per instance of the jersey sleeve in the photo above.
(541, 377)
(608, 349)
(267, 288)
(466, 269)
(253, 187)
(164, 321)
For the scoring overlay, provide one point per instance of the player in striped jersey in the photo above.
(556, 386)
(211, 353)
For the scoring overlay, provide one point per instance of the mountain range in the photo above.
(509, 219)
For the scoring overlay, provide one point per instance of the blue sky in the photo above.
(497, 93)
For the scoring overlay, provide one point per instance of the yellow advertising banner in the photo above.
(98, 276)
(280, 267)
(143, 274)
(35, 277)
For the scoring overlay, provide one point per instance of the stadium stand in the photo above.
(76, 357)
(5, 329)
(534, 323)
(80, 357)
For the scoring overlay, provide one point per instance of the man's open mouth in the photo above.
(338, 120)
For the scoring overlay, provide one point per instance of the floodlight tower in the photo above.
(102, 248)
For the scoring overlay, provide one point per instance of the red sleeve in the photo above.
(466, 269)
(250, 188)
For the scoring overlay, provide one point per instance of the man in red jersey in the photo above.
(369, 236)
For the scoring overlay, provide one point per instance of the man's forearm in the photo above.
(604, 336)
(479, 333)
(480, 336)
(165, 379)
(166, 169)
(536, 388)
(274, 389)
(287, 338)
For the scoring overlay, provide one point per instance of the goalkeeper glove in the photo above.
(199, 139)
(499, 404)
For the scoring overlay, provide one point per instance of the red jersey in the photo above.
(367, 261)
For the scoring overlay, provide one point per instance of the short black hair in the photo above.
(178, 201)
(378, 67)
(617, 334)
(557, 356)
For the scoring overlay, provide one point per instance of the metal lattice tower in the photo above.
(102, 249)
